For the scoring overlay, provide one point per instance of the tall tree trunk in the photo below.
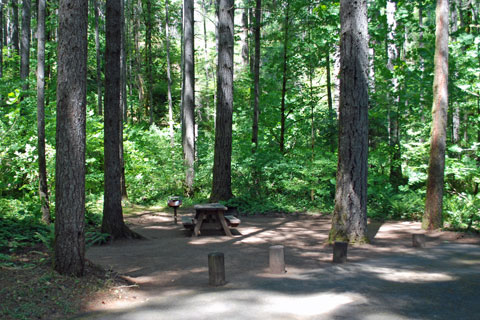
(256, 74)
(138, 60)
(349, 222)
(222, 165)
(456, 109)
(25, 48)
(123, 98)
(71, 122)
(148, 59)
(244, 37)
(99, 63)
(169, 77)
(42, 163)
(1, 39)
(15, 40)
(421, 45)
(396, 175)
(283, 111)
(188, 114)
(331, 113)
(112, 222)
(432, 218)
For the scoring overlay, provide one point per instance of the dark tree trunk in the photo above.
(123, 99)
(1, 39)
(148, 58)
(222, 166)
(71, 119)
(15, 40)
(283, 111)
(349, 222)
(432, 218)
(256, 74)
(25, 48)
(188, 112)
(169, 76)
(42, 166)
(99, 63)
(112, 222)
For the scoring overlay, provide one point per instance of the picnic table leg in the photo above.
(198, 225)
(225, 227)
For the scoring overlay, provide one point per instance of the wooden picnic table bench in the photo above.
(210, 216)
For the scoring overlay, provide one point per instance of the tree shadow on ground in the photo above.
(386, 278)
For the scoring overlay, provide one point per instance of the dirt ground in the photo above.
(170, 260)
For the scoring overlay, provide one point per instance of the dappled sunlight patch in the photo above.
(312, 304)
(410, 276)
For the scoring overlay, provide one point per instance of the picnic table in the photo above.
(210, 216)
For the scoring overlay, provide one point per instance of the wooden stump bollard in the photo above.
(340, 252)
(216, 269)
(277, 259)
(418, 240)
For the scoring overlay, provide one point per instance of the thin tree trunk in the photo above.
(222, 165)
(99, 63)
(169, 77)
(123, 99)
(1, 40)
(148, 59)
(42, 163)
(112, 222)
(396, 175)
(70, 146)
(138, 69)
(456, 109)
(421, 45)
(256, 74)
(188, 114)
(244, 39)
(283, 112)
(15, 39)
(349, 222)
(25, 48)
(432, 218)
(331, 113)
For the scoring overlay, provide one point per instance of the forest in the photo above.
(283, 139)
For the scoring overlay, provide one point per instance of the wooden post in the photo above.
(216, 269)
(340, 252)
(418, 240)
(277, 259)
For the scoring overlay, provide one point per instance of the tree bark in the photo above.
(71, 121)
(245, 50)
(99, 63)
(123, 99)
(349, 222)
(331, 113)
(283, 112)
(42, 163)
(1, 39)
(432, 218)
(25, 47)
(112, 222)
(15, 40)
(188, 114)
(256, 74)
(169, 77)
(222, 166)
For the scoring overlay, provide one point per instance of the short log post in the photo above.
(216, 269)
(340, 252)
(277, 259)
(418, 240)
